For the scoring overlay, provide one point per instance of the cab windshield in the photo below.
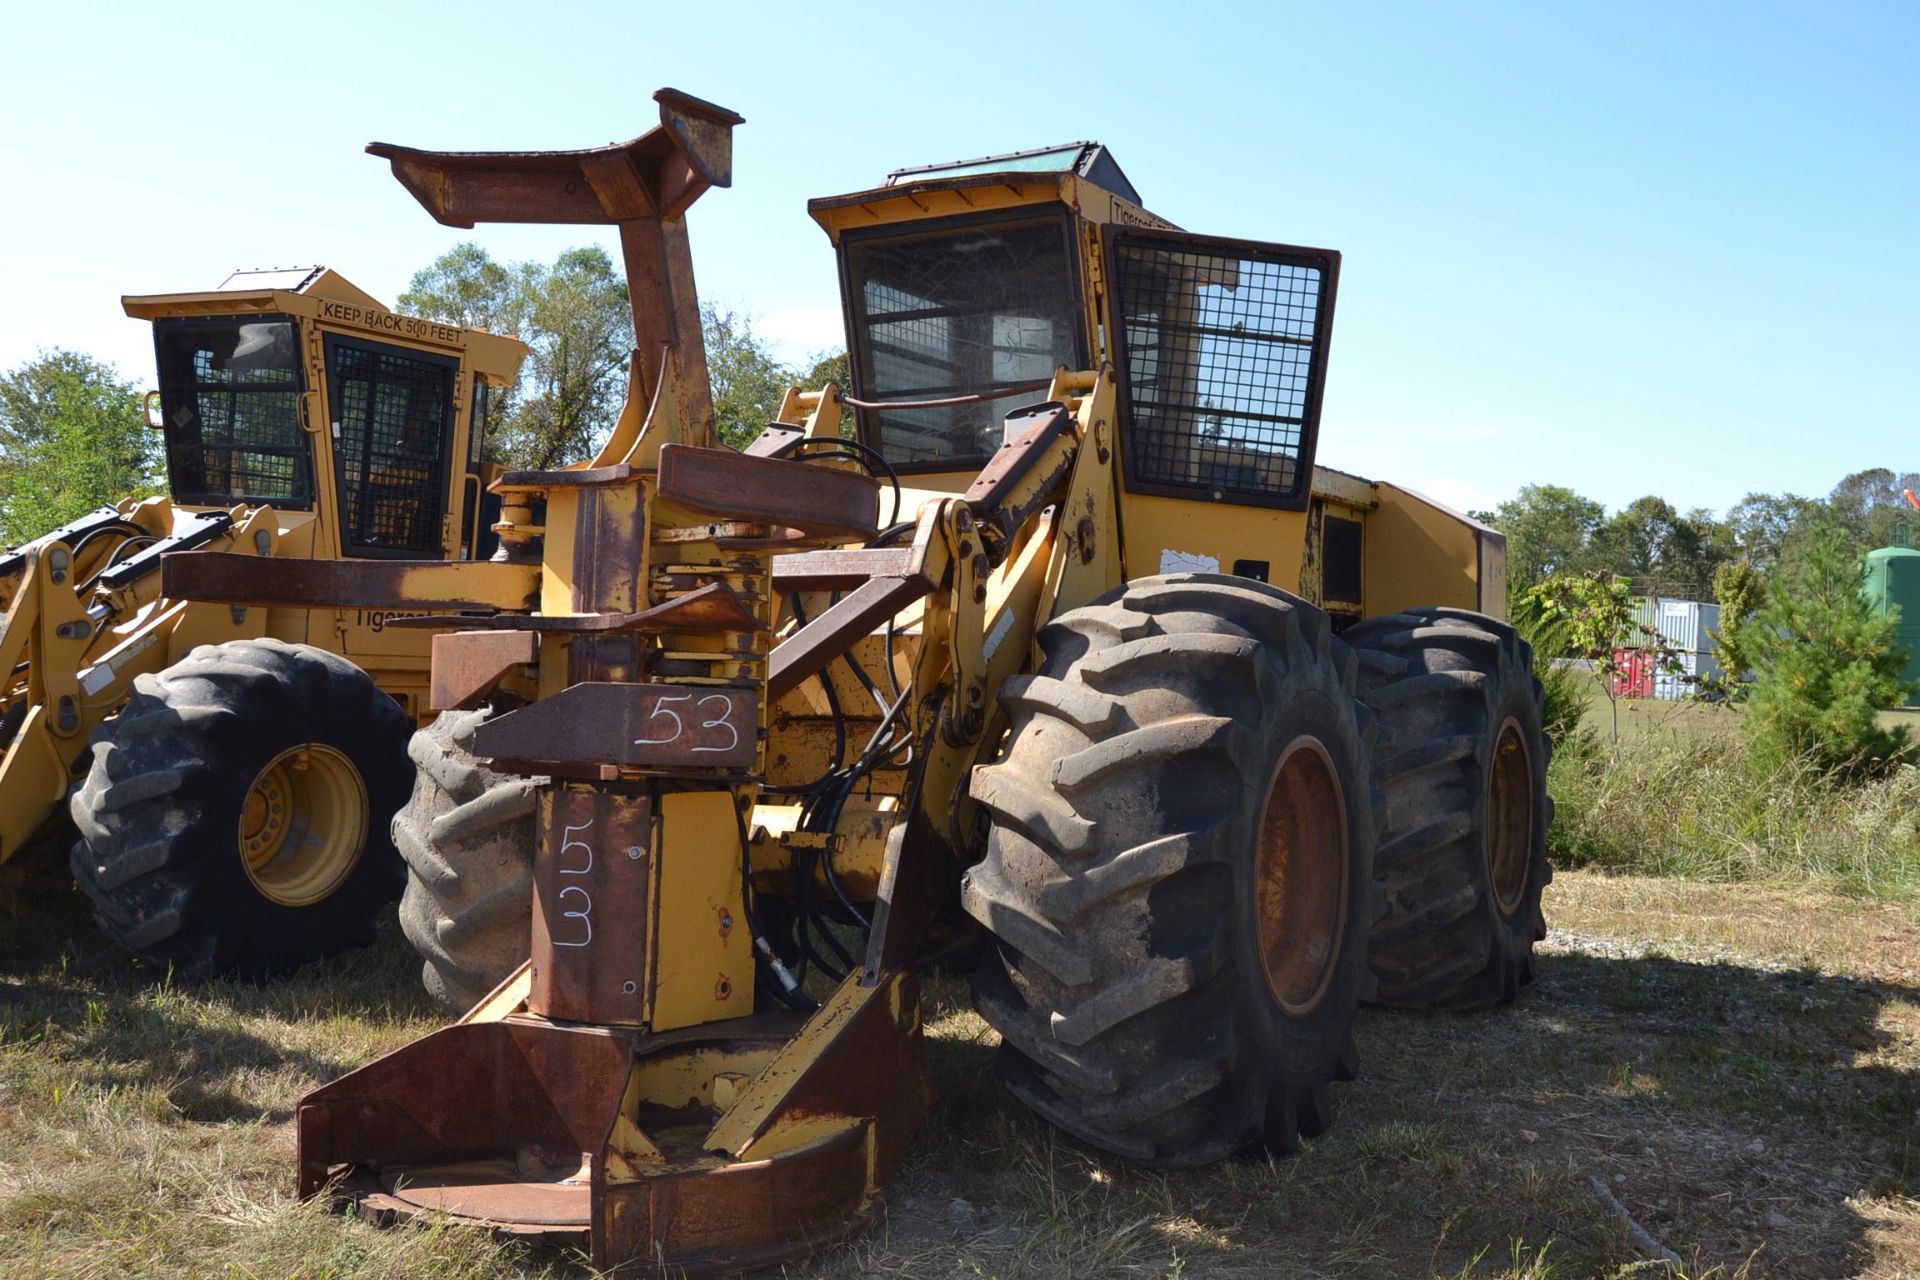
(229, 394)
(976, 307)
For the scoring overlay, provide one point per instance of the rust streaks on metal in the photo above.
(564, 478)
(1024, 475)
(1300, 894)
(644, 187)
(714, 607)
(460, 188)
(468, 664)
(808, 651)
(466, 1092)
(914, 876)
(779, 539)
(592, 907)
(842, 570)
(861, 1055)
(731, 1218)
(773, 491)
(223, 577)
(506, 1124)
(631, 725)
(777, 441)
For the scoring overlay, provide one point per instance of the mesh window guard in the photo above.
(1223, 348)
(979, 307)
(391, 417)
(230, 391)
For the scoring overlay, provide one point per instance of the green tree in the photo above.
(748, 382)
(1588, 617)
(1563, 696)
(465, 286)
(1549, 531)
(1826, 665)
(1741, 592)
(1713, 548)
(1870, 506)
(575, 317)
(1661, 551)
(1763, 526)
(828, 367)
(73, 437)
(582, 335)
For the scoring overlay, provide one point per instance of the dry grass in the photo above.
(1695, 805)
(1679, 795)
(1738, 1065)
(1642, 717)
(1804, 926)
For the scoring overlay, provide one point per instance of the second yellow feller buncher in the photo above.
(232, 771)
(1061, 629)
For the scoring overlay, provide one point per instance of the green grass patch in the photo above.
(1691, 803)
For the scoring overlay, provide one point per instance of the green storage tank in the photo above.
(1893, 582)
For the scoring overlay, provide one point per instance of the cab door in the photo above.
(391, 411)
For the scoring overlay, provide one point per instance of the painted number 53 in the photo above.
(709, 716)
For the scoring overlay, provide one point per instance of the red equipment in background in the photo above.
(1633, 673)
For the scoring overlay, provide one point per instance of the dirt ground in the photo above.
(1735, 1069)
(1735, 1065)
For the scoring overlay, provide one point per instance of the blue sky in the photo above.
(1628, 248)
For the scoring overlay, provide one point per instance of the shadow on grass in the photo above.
(1732, 1109)
(1738, 1113)
(1745, 1116)
(117, 1022)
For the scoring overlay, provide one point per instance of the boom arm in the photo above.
(84, 615)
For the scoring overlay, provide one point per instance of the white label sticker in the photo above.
(1172, 561)
(998, 634)
(102, 674)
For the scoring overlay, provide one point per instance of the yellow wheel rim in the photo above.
(303, 825)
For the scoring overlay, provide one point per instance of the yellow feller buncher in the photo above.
(246, 762)
(1068, 633)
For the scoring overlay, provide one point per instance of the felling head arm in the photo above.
(656, 175)
(644, 187)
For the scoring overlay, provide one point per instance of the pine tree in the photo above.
(1827, 665)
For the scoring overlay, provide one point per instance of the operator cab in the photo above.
(293, 389)
(967, 285)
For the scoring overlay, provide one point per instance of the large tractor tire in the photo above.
(467, 838)
(1462, 762)
(1179, 873)
(235, 815)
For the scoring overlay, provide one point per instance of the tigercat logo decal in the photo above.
(377, 619)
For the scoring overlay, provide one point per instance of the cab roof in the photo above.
(323, 295)
(1089, 160)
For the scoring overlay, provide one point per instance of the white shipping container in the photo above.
(1670, 686)
(1685, 623)
(1686, 626)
